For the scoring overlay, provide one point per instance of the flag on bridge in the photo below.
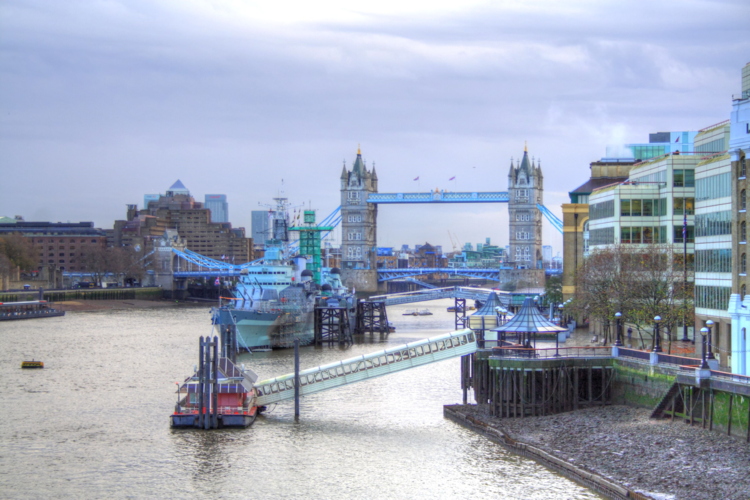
(217, 281)
(452, 178)
(416, 178)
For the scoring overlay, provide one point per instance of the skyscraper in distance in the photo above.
(219, 207)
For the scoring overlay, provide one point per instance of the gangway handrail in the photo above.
(368, 366)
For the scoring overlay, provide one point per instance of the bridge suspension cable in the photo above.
(552, 218)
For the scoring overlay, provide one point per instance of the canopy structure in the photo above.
(527, 324)
(491, 315)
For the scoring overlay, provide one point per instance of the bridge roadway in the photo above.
(450, 292)
(365, 367)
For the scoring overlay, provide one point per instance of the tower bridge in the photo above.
(359, 210)
(357, 215)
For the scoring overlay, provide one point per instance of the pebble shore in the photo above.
(657, 458)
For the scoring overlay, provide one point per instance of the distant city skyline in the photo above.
(103, 102)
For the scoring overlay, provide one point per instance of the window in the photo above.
(743, 290)
(743, 264)
(743, 200)
(689, 232)
(712, 187)
(683, 206)
(683, 178)
(602, 210)
(625, 208)
(743, 166)
(743, 231)
(713, 261)
(713, 224)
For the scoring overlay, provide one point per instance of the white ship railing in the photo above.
(368, 366)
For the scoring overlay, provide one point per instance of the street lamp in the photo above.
(657, 346)
(560, 307)
(704, 362)
(710, 353)
(618, 319)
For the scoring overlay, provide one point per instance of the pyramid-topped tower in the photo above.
(358, 225)
(525, 190)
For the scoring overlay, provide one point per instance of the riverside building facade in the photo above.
(739, 302)
(177, 210)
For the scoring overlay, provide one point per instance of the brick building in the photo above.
(176, 209)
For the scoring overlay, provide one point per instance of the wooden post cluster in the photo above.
(545, 389)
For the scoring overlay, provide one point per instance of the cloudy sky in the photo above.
(103, 101)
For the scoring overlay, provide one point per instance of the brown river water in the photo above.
(94, 422)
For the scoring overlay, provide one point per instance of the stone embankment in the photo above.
(620, 446)
(107, 305)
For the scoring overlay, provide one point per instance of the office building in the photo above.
(217, 204)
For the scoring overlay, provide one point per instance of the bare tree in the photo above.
(640, 282)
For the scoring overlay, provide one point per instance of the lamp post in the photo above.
(704, 362)
(657, 346)
(709, 354)
(618, 320)
(560, 308)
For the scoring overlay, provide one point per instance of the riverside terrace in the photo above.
(528, 382)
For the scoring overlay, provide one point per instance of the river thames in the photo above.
(95, 421)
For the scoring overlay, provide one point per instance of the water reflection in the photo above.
(94, 422)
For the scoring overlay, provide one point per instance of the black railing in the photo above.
(733, 377)
(634, 353)
(552, 352)
(678, 360)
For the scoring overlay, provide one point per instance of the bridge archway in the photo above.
(359, 211)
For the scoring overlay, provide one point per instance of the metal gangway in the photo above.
(376, 364)
(450, 292)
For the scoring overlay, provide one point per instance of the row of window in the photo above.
(354, 252)
(523, 216)
(602, 210)
(354, 236)
(603, 236)
(714, 260)
(643, 234)
(712, 297)
(715, 186)
(656, 177)
(715, 146)
(354, 218)
(643, 208)
(523, 235)
(683, 177)
(713, 224)
(639, 234)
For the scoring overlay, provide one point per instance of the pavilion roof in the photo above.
(529, 320)
(489, 308)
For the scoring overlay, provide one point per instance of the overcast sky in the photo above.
(104, 101)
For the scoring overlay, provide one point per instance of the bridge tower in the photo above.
(525, 190)
(359, 226)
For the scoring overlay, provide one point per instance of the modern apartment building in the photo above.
(713, 236)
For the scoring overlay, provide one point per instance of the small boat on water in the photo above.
(234, 401)
(417, 312)
(30, 309)
(32, 364)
